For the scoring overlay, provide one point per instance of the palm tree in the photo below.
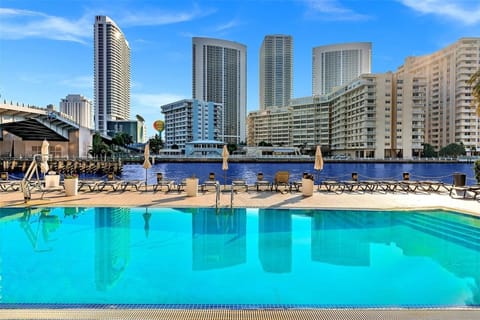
(474, 81)
(98, 147)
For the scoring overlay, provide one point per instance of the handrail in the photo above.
(231, 197)
(25, 184)
(217, 194)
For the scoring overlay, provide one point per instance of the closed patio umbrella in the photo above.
(44, 162)
(225, 155)
(318, 166)
(146, 163)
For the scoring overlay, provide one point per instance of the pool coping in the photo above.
(226, 314)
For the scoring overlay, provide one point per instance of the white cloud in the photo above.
(226, 26)
(157, 17)
(332, 10)
(467, 12)
(19, 24)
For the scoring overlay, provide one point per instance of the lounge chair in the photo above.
(6, 184)
(161, 182)
(262, 183)
(110, 182)
(132, 184)
(462, 190)
(91, 184)
(211, 182)
(281, 179)
(236, 184)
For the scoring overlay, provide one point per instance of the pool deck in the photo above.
(252, 199)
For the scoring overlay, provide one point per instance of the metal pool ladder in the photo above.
(217, 194)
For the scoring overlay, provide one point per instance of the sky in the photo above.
(46, 46)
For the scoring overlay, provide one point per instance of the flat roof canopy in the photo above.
(32, 129)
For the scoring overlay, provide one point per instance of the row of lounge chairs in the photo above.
(281, 182)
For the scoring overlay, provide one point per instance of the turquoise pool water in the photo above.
(238, 258)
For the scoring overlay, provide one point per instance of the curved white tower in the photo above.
(111, 73)
(337, 64)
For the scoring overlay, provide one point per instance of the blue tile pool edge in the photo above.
(221, 306)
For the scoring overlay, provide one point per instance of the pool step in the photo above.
(464, 235)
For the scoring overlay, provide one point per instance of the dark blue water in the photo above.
(339, 171)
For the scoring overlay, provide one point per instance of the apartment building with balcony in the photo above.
(374, 116)
(450, 116)
(272, 125)
(190, 120)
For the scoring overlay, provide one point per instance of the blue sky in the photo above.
(46, 46)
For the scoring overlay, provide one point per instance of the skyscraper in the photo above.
(79, 108)
(111, 73)
(276, 71)
(220, 75)
(337, 64)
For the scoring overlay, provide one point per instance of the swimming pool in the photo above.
(237, 258)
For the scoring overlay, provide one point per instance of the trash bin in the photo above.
(354, 176)
(307, 185)
(191, 187)
(459, 179)
(406, 176)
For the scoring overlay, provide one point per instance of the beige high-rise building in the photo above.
(450, 116)
(79, 108)
(272, 125)
(276, 71)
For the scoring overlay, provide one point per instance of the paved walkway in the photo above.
(250, 199)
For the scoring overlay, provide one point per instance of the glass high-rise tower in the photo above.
(276, 71)
(337, 64)
(111, 73)
(219, 74)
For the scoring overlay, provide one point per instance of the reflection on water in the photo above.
(112, 245)
(275, 240)
(218, 238)
(108, 253)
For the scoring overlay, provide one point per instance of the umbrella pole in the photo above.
(225, 180)
(146, 176)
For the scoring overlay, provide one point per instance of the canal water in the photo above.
(339, 171)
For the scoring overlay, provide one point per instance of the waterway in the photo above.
(339, 171)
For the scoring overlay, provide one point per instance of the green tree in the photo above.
(264, 144)
(156, 144)
(429, 151)
(453, 150)
(476, 169)
(122, 139)
(99, 147)
(474, 82)
(232, 147)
